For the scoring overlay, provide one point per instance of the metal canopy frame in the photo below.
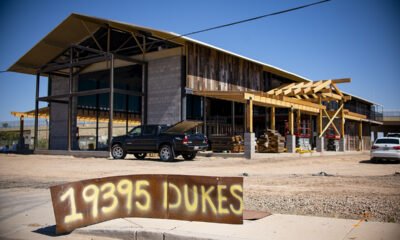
(75, 59)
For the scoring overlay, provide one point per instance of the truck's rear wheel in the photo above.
(189, 156)
(166, 153)
(118, 152)
(140, 155)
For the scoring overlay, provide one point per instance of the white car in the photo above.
(387, 148)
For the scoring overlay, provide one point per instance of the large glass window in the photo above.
(126, 78)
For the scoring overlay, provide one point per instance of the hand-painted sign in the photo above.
(193, 198)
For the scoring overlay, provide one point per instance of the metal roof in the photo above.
(72, 31)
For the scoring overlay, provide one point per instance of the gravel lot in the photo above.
(277, 185)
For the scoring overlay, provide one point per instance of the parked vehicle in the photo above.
(393, 135)
(387, 148)
(168, 142)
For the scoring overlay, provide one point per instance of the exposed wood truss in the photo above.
(339, 110)
(311, 91)
(261, 99)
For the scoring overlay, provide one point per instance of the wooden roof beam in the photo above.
(279, 91)
(332, 95)
(272, 91)
(321, 86)
(341, 80)
(337, 89)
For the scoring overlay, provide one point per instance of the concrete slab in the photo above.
(267, 156)
(375, 230)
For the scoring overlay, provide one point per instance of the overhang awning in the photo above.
(76, 28)
(87, 115)
(260, 99)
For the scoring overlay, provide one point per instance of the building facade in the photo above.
(106, 71)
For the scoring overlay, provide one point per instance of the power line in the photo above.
(243, 21)
(253, 18)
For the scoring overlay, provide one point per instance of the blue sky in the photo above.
(341, 38)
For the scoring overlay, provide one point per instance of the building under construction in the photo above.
(113, 73)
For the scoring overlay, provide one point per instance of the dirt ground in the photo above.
(279, 185)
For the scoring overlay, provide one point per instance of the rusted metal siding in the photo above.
(212, 70)
(192, 198)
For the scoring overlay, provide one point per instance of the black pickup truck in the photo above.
(168, 142)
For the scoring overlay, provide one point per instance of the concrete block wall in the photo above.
(58, 122)
(291, 143)
(164, 90)
(249, 145)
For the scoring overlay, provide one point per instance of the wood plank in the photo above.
(303, 102)
(321, 86)
(342, 80)
(333, 118)
(332, 96)
(333, 123)
(337, 89)
(346, 98)
(291, 124)
(249, 115)
(272, 118)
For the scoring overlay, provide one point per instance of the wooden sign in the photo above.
(183, 197)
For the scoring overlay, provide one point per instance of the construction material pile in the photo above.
(234, 144)
(271, 142)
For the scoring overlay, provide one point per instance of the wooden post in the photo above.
(291, 122)
(320, 119)
(272, 118)
(205, 116)
(298, 121)
(249, 116)
(233, 118)
(342, 132)
(360, 135)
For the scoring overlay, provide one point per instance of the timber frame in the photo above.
(307, 97)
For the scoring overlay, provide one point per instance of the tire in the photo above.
(166, 153)
(189, 156)
(118, 152)
(140, 156)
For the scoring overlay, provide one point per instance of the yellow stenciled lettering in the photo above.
(178, 196)
(191, 207)
(74, 216)
(234, 189)
(221, 200)
(139, 192)
(125, 187)
(110, 194)
(205, 198)
(165, 202)
(91, 195)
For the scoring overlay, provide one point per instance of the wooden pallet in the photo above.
(271, 142)
(227, 143)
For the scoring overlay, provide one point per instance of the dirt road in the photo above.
(286, 185)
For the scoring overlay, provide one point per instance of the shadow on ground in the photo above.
(380, 161)
(49, 231)
(150, 160)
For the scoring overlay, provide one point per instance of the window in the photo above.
(150, 130)
(137, 131)
(387, 141)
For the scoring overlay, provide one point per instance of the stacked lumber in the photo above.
(227, 143)
(271, 142)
